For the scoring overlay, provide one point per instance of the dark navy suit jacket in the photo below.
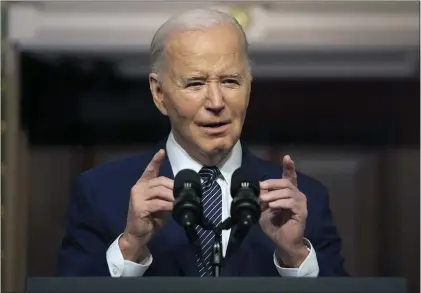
(97, 216)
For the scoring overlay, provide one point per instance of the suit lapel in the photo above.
(251, 163)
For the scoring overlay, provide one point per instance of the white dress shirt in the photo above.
(179, 160)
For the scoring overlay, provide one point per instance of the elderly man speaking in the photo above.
(119, 220)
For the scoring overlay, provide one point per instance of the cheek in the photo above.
(238, 105)
(183, 109)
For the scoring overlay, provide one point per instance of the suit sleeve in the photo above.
(327, 242)
(84, 247)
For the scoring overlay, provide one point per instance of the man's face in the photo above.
(205, 90)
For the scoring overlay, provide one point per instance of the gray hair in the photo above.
(190, 20)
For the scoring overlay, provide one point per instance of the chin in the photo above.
(218, 145)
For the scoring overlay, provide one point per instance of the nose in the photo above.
(215, 99)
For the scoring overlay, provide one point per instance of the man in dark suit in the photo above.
(119, 220)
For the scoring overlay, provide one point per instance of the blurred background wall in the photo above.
(338, 82)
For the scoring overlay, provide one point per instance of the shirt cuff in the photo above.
(119, 267)
(309, 267)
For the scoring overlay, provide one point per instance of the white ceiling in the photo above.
(387, 31)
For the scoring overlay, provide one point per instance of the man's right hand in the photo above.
(150, 200)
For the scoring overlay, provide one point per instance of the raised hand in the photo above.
(150, 199)
(284, 214)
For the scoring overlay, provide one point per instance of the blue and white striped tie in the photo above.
(212, 210)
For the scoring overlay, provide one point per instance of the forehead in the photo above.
(211, 50)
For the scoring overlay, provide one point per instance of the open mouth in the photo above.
(214, 124)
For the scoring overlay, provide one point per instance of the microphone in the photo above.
(245, 208)
(187, 192)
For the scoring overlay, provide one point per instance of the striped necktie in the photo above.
(212, 210)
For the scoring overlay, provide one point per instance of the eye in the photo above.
(231, 82)
(194, 84)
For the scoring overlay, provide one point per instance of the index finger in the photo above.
(289, 172)
(152, 170)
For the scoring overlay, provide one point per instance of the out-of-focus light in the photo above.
(241, 15)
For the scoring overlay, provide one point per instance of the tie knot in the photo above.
(209, 173)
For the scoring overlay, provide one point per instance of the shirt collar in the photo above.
(180, 159)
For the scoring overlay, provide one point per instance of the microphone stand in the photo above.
(217, 255)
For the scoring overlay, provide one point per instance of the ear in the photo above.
(157, 93)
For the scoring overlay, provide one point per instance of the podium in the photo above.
(215, 285)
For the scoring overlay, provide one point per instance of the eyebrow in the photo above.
(232, 75)
(203, 77)
(192, 78)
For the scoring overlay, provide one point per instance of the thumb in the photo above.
(152, 170)
(289, 170)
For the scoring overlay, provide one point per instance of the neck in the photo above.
(206, 159)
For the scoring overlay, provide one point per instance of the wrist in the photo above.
(292, 257)
(132, 248)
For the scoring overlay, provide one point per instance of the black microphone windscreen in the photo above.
(241, 176)
(184, 176)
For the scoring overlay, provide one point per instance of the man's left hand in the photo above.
(284, 214)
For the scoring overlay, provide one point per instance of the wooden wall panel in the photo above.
(53, 171)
